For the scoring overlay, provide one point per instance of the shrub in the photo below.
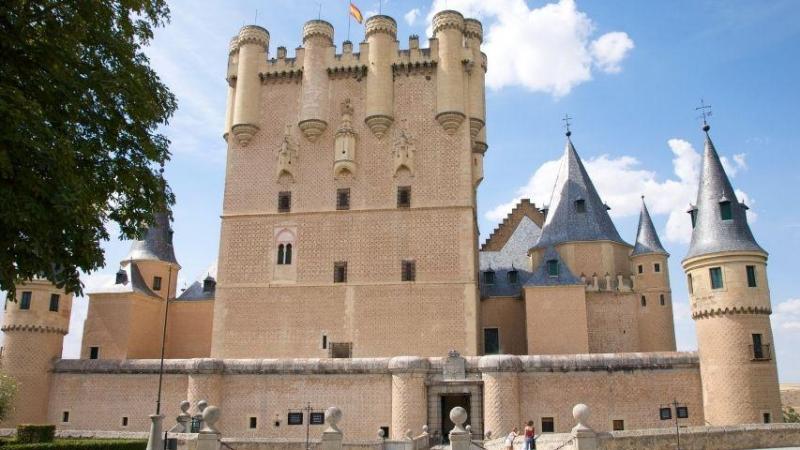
(30, 434)
(790, 415)
(8, 389)
(81, 444)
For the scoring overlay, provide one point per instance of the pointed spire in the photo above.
(720, 220)
(576, 212)
(157, 243)
(647, 240)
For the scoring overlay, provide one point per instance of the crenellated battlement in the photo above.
(380, 24)
(448, 19)
(318, 28)
(253, 34)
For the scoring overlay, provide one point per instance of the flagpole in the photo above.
(349, 19)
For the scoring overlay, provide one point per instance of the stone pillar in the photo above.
(381, 35)
(448, 29)
(205, 381)
(155, 440)
(409, 394)
(318, 44)
(209, 436)
(460, 438)
(584, 435)
(473, 33)
(501, 393)
(332, 436)
(253, 43)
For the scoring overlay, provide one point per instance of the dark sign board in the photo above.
(317, 418)
(665, 413)
(295, 418)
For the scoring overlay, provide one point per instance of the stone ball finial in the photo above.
(580, 413)
(381, 434)
(332, 417)
(469, 429)
(211, 416)
(425, 429)
(185, 405)
(202, 405)
(458, 415)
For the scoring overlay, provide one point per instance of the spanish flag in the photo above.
(356, 13)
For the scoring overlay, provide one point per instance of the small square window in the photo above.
(156, 283)
(552, 268)
(54, 299)
(294, 418)
(25, 300)
(716, 277)
(513, 276)
(657, 267)
(94, 352)
(751, 276)
(385, 432)
(665, 413)
(488, 277)
(340, 272)
(409, 270)
(662, 299)
(316, 418)
(343, 199)
(284, 201)
(404, 196)
(580, 205)
(682, 412)
(253, 423)
(548, 425)
(767, 418)
(641, 268)
(65, 417)
(618, 425)
(124, 421)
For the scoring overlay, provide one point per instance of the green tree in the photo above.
(8, 389)
(80, 114)
(790, 415)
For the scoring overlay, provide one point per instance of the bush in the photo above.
(31, 434)
(8, 389)
(81, 444)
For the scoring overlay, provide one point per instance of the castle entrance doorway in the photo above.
(450, 401)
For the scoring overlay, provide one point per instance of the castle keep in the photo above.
(349, 241)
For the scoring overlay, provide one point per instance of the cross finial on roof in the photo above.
(566, 120)
(705, 111)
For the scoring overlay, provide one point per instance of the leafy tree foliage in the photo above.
(80, 112)
(8, 389)
(790, 415)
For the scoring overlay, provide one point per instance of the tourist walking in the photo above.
(530, 436)
(510, 439)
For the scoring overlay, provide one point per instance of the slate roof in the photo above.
(542, 277)
(195, 290)
(505, 229)
(134, 282)
(647, 240)
(564, 223)
(711, 234)
(157, 243)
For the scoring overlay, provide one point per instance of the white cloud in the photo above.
(787, 315)
(547, 49)
(411, 16)
(621, 181)
(610, 49)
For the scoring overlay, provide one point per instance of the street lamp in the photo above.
(156, 441)
(681, 412)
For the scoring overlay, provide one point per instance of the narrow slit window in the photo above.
(657, 267)
(662, 300)
(644, 301)
(409, 270)
(404, 197)
(641, 268)
(693, 215)
(725, 211)
(689, 283)
(340, 272)
(156, 283)
(94, 352)
(281, 253)
(287, 257)
(284, 201)
(54, 300)
(751, 276)
(580, 205)
(343, 199)
(253, 423)
(25, 300)
(552, 268)
(65, 417)
(124, 421)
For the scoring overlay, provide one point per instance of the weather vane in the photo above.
(566, 120)
(705, 113)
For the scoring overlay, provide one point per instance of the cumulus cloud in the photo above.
(787, 315)
(548, 49)
(622, 180)
(411, 16)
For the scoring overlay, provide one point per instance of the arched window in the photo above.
(288, 256)
(280, 254)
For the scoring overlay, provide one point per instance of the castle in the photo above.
(349, 240)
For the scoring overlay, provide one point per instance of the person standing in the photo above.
(510, 439)
(530, 436)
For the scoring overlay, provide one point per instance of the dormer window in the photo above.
(725, 211)
(156, 283)
(513, 276)
(693, 214)
(209, 284)
(122, 277)
(488, 277)
(552, 267)
(580, 205)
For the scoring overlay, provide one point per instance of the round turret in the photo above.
(253, 43)
(381, 35)
(318, 48)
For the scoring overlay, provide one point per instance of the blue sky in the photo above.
(629, 72)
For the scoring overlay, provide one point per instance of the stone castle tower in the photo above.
(34, 329)
(651, 282)
(349, 219)
(727, 276)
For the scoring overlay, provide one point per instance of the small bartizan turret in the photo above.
(651, 283)
(727, 276)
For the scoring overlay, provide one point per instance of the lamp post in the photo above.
(681, 412)
(156, 441)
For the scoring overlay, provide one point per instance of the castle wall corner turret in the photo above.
(253, 42)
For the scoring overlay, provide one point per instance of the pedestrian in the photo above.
(530, 436)
(510, 439)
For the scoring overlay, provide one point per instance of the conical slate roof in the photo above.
(564, 222)
(712, 234)
(157, 243)
(647, 240)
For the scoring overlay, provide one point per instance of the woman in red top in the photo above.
(530, 436)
